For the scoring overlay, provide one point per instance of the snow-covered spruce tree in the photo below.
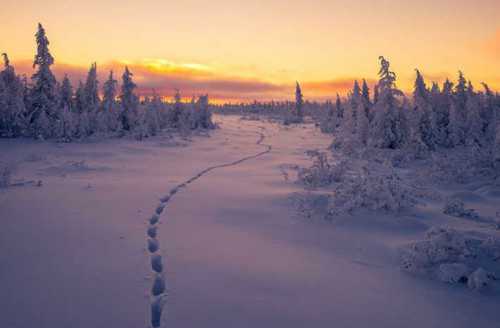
(88, 123)
(496, 146)
(66, 124)
(349, 128)
(490, 117)
(375, 94)
(424, 114)
(43, 93)
(129, 101)
(474, 123)
(330, 121)
(298, 115)
(153, 108)
(299, 101)
(205, 115)
(388, 124)
(457, 117)
(4, 114)
(79, 101)
(109, 108)
(362, 124)
(13, 121)
(339, 108)
(348, 125)
(66, 93)
(91, 90)
(177, 110)
(365, 98)
(441, 108)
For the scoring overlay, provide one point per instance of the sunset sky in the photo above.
(238, 50)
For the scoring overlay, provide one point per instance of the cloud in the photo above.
(166, 76)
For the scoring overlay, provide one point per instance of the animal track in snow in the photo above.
(158, 288)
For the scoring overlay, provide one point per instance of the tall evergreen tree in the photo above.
(177, 109)
(424, 120)
(43, 97)
(66, 94)
(365, 98)
(387, 126)
(129, 101)
(91, 90)
(109, 92)
(339, 108)
(474, 122)
(299, 102)
(108, 116)
(12, 110)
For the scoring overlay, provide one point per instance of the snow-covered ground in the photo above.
(235, 253)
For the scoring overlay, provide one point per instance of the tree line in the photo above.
(43, 107)
(436, 117)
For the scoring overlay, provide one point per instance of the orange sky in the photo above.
(257, 49)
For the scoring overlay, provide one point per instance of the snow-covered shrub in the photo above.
(454, 256)
(374, 190)
(479, 279)
(322, 173)
(453, 272)
(440, 246)
(456, 207)
(460, 165)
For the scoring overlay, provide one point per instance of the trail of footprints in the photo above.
(158, 288)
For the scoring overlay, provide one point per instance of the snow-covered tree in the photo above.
(91, 90)
(457, 119)
(362, 124)
(109, 93)
(129, 101)
(177, 110)
(13, 122)
(203, 116)
(80, 98)
(339, 108)
(109, 112)
(66, 124)
(66, 94)
(43, 95)
(490, 115)
(387, 126)
(353, 105)
(330, 122)
(441, 108)
(153, 108)
(365, 98)
(299, 102)
(425, 121)
(474, 123)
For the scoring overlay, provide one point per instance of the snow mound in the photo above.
(456, 207)
(453, 256)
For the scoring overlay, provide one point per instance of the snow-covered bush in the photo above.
(454, 256)
(369, 190)
(456, 207)
(374, 190)
(322, 173)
